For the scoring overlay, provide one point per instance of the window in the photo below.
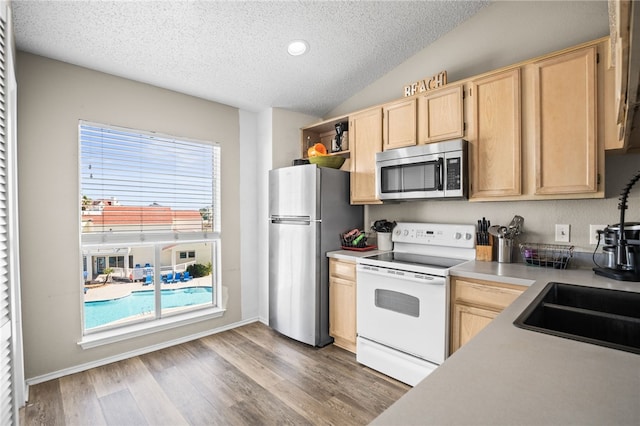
(146, 199)
(187, 255)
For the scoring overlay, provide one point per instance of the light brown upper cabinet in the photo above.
(440, 114)
(564, 123)
(365, 140)
(399, 126)
(494, 135)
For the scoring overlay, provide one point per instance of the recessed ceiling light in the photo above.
(297, 47)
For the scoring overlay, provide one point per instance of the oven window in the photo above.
(412, 177)
(398, 302)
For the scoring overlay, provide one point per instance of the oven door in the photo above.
(413, 177)
(403, 310)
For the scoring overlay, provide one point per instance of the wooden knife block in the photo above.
(485, 253)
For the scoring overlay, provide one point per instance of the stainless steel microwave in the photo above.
(436, 170)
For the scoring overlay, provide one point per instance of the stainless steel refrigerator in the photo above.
(308, 209)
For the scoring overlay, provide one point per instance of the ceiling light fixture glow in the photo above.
(297, 47)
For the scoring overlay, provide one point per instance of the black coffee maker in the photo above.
(340, 129)
(625, 244)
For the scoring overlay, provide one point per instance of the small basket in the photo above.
(349, 239)
(546, 255)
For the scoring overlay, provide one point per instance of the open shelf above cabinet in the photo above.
(323, 133)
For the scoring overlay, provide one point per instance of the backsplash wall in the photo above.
(540, 217)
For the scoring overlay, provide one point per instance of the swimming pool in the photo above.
(142, 302)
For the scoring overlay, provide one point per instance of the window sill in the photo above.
(136, 330)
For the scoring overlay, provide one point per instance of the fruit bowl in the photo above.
(334, 162)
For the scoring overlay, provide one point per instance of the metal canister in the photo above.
(505, 250)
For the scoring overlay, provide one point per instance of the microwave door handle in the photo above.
(441, 169)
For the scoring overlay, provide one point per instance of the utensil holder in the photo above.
(485, 253)
(505, 250)
(384, 241)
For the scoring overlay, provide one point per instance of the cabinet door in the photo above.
(467, 322)
(399, 128)
(494, 135)
(365, 140)
(440, 115)
(474, 304)
(342, 303)
(564, 122)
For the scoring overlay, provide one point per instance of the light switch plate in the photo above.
(563, 233)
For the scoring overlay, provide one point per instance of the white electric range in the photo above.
(403, 299)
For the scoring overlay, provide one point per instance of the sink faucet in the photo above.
(625, 258)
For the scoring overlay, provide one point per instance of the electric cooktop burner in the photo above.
(417, 259)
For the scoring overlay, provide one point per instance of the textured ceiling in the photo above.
(235, 52)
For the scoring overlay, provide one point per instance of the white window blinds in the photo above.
(7, 401)
(147, 186)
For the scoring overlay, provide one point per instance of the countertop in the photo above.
(507, 375)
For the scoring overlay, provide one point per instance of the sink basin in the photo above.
(599, 316)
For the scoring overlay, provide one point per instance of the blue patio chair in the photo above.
(170, 279)
(178, 276)
(148, 280)
(186, 276)
(147, 265)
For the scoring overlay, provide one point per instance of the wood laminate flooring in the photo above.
(250, 375)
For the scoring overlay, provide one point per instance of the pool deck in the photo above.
(116, 290)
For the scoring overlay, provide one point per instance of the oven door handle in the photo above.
(401, 275)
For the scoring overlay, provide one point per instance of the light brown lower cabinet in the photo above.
(342, 303)
(474, 304)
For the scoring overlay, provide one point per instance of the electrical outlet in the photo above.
(593, 233)
(563, 233)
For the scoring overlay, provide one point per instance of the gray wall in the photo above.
(502, 34)
(52, 97)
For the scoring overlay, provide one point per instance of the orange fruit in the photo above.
(317, 149)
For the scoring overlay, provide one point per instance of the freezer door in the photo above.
(293, 191)
(293, 278)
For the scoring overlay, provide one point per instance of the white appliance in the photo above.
(403, 299)
(308, 209)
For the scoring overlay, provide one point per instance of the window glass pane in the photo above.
(112, 295)
(141, 182)
(187, 283)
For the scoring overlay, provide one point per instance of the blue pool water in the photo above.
(141, 302)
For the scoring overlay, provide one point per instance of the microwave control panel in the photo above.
(454, 169)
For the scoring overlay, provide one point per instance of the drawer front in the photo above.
(342, 269)
(486, 294)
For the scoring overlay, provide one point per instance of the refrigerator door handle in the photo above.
(292, 220)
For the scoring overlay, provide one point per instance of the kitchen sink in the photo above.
(599, 316)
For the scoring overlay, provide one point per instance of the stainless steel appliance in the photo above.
(624, 241)
(309, 208)
(403, 299)
(436, 170)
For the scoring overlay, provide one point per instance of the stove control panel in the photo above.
(436, 234)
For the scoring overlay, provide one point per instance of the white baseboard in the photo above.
(131, 354)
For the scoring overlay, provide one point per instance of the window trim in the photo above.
(139, 329)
